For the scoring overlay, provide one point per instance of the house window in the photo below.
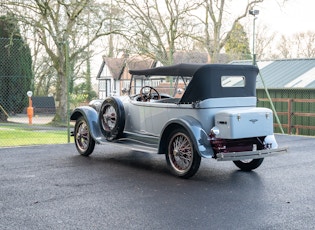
(104, 88)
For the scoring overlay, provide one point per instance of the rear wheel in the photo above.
(248, 165)
(82, 137)
(181, 156)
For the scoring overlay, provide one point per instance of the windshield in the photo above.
(172, 86)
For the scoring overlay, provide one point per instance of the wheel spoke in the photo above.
(182, 152)
(84, 142)
(181, 156)
(109, 118)
(82, 136)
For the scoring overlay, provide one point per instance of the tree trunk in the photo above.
(61, 111)
(61, 91)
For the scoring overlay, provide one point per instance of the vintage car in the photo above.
(187, 112)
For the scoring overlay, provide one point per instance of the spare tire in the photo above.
(112, 118)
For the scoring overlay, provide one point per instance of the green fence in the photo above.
(295, 108)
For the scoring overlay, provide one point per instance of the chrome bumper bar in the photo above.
(236, 156)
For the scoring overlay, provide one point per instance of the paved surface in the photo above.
(36, 120)
(52, 187)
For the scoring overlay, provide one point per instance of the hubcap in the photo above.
(109, 118)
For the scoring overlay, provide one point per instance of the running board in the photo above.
(132, 144)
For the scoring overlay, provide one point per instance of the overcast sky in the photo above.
(292, 17)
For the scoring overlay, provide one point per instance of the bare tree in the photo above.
(264, 41)
(154, 27)
(215, 22)
(66, 28)
(305, 43)
(299, 45)
(285, 48)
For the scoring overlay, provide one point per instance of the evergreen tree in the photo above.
(15, 68)
(237, 45)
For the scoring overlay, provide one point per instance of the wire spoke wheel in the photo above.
(183, 160)
(181, 152)
(82, 138)
(112, 118)
(109, 118)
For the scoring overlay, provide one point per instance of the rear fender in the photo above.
(197, 134)
(91, 117)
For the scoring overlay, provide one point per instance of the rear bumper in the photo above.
(236, 156)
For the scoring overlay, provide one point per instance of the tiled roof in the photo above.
(115, 66)
(190, 57)
(140, 62)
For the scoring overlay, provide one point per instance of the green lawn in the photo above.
(19, 136)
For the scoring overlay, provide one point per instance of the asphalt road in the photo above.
(52, 187)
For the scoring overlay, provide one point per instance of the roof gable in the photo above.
(115, 65)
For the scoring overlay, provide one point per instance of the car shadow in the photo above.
(136, 163)
(130, 161)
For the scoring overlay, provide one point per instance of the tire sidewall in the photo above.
(249, 166)
(91, 143)
(195, 160)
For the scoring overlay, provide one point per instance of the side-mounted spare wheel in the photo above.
(112, 118)
(181, 156)
(82, 137)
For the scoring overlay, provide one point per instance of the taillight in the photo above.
(214, 132)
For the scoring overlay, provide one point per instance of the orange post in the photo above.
(30, 111)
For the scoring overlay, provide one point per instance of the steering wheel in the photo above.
(146, 93)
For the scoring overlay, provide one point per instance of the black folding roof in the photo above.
(206, 79)
(185, 70)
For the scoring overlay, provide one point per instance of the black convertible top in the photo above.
(206, 79)
(184, 70)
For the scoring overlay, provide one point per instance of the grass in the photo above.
(11, 135)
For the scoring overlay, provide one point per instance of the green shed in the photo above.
(291, 85)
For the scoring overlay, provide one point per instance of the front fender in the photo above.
(91, 117)
(199, 137)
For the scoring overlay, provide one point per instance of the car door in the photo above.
(138, 118)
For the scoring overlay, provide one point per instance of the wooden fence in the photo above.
(290, 116)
